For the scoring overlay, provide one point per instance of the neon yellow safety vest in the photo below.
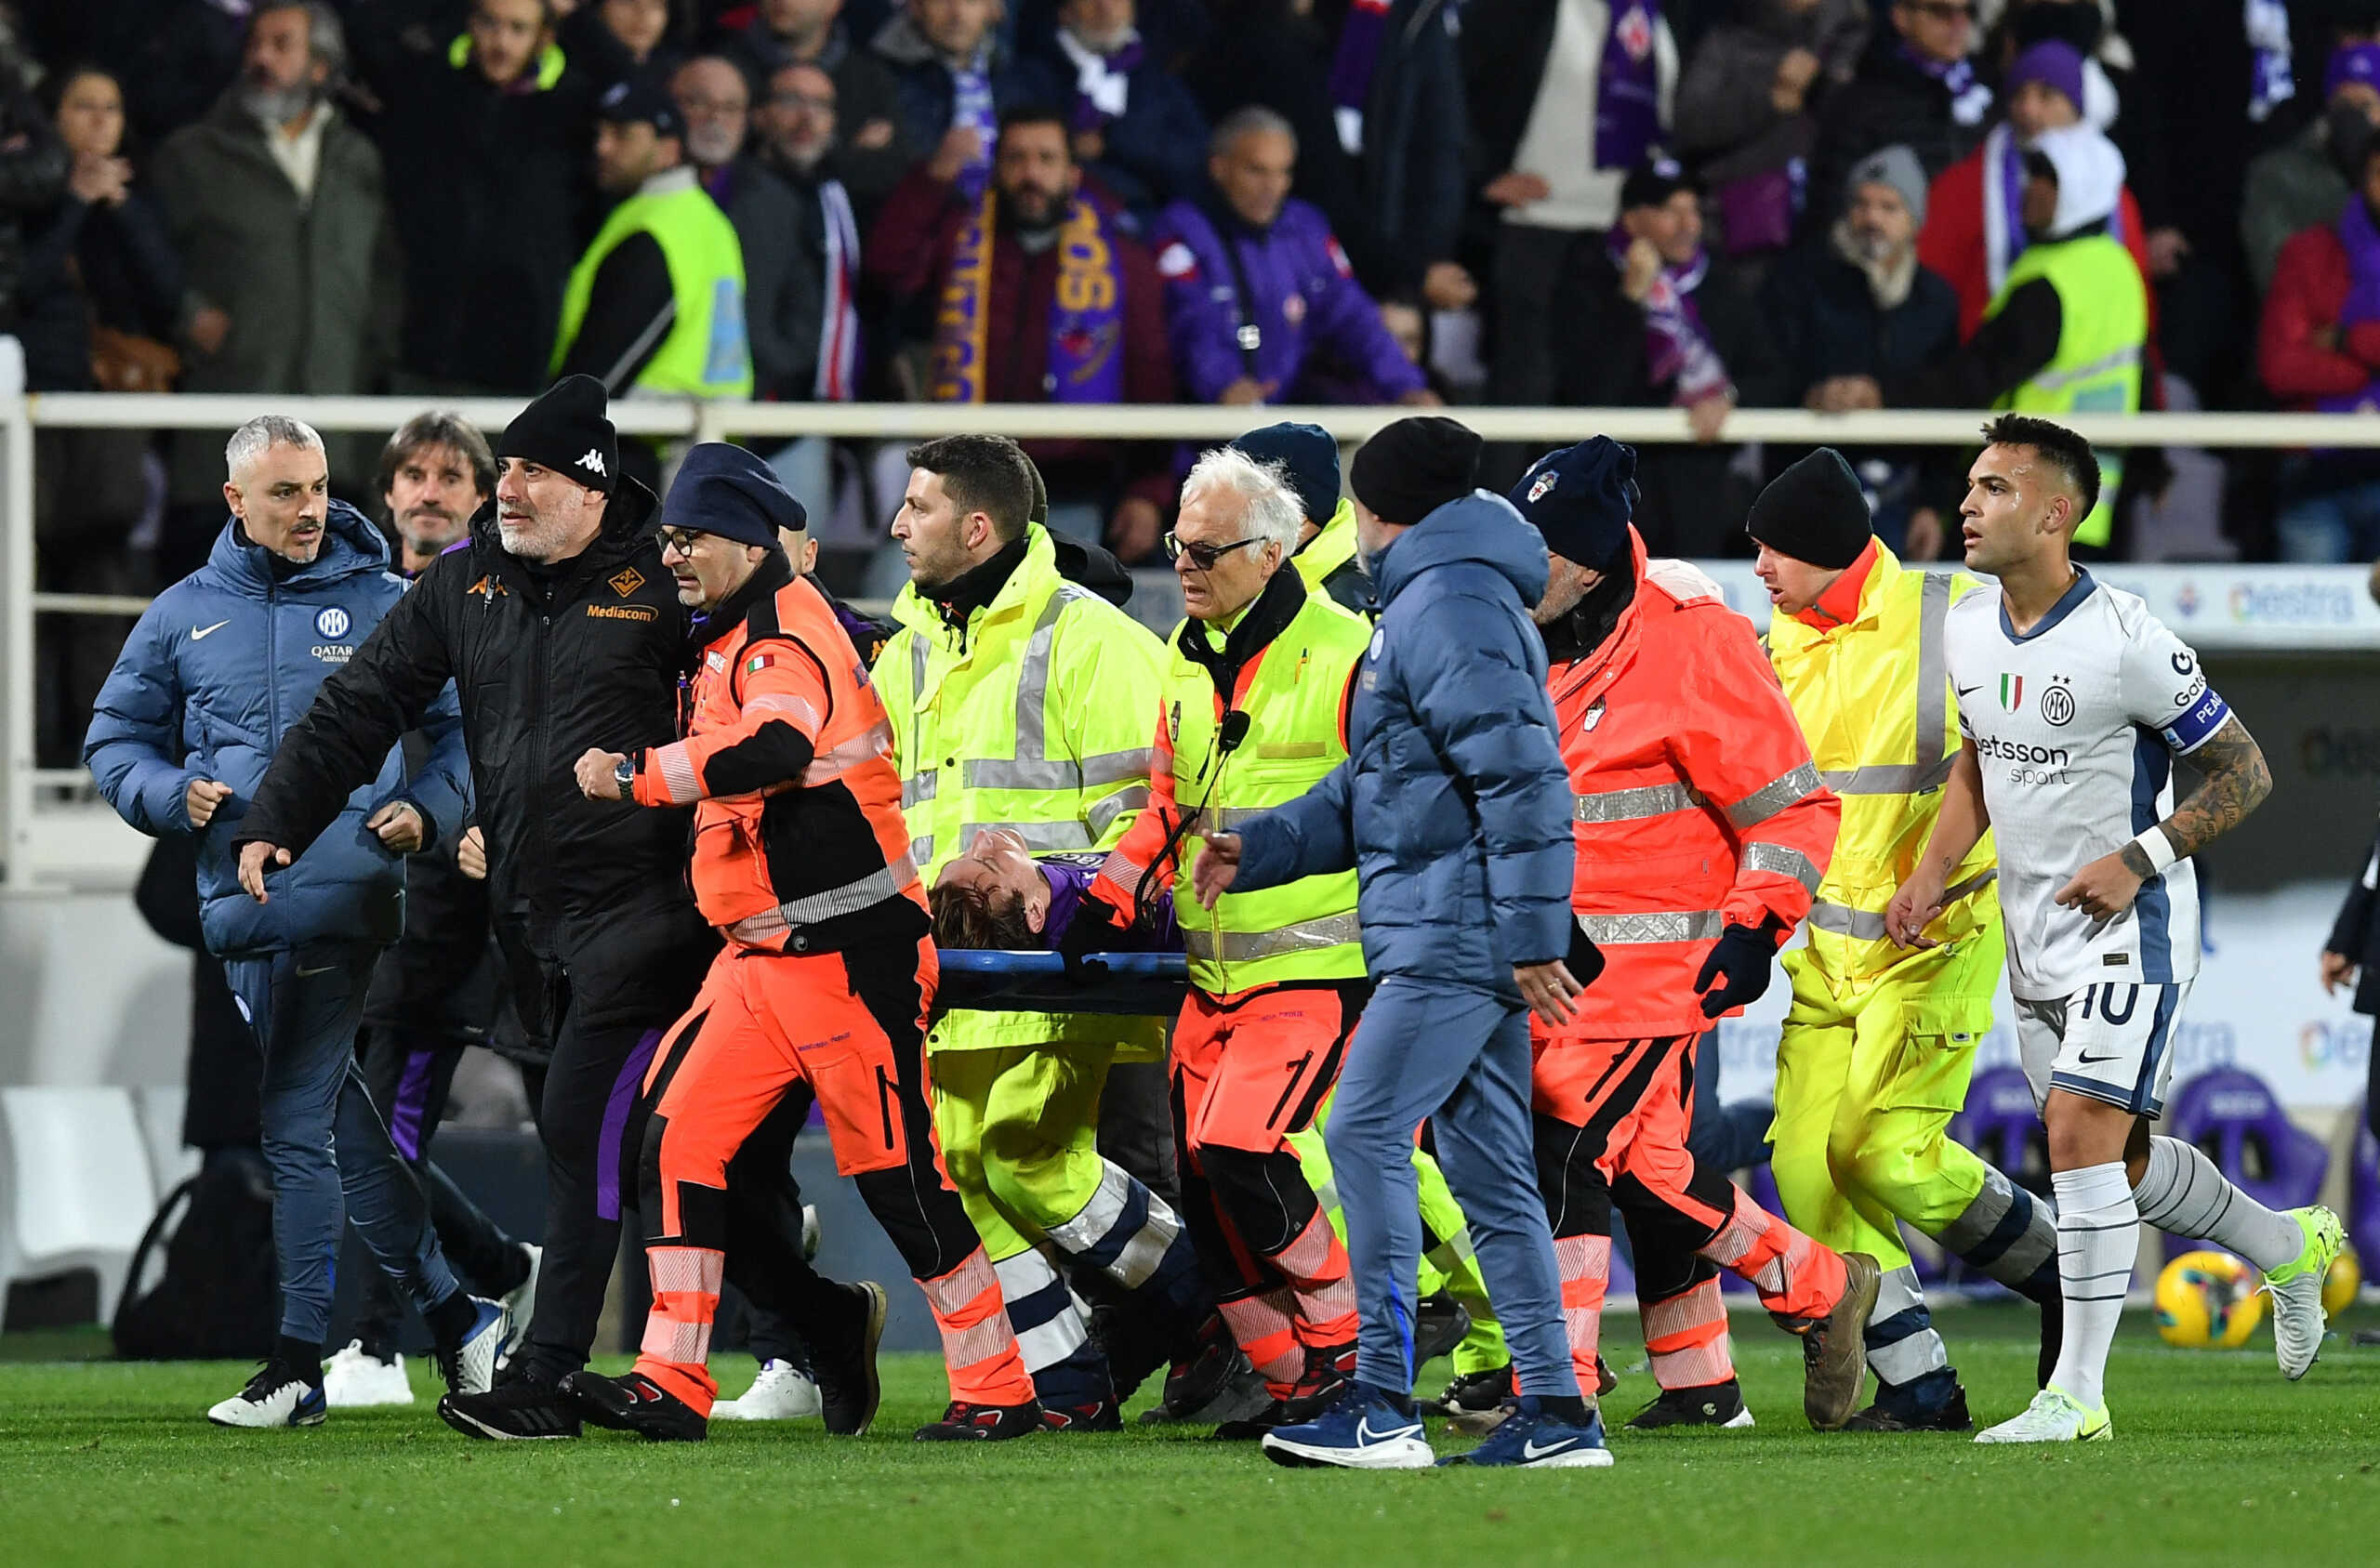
(2103, 315)
(1874, 699)
(550, 60)
(1295, 700)
(1035, 718)
(1329, 550)
(707, 353)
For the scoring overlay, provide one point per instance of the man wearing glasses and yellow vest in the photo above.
(1881, 1040)
(1021, 701)
(1252, 713)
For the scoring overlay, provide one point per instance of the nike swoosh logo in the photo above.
(1364, 1433)
(304, 973)
(196, 633)
(1529, 1449)
(2087, 1060)
(1969, 691)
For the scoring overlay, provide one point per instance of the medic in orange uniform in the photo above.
(1702, 831)
(801, 860)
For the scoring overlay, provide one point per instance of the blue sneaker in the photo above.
(1529, 1439)
(1360, 1431)
(469, 1367)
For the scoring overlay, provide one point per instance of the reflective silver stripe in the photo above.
(1108, 809)
(921, 849)
(849, 899)
(1933, 672)
(1033, 678)
(1888, 778)
(866, 747)
(1783, 860)
(1025, 772)
(922, 788)
(1240, 947)
(1037, 835)
(1634, 805)
(1867, 924)
(1115, 767)
(2122, 359)
(1774, 797)
(1232, 817)
(1621, 931)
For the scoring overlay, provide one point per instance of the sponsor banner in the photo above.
(2258, 1003)
(2213, 607)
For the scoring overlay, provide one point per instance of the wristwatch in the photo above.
(625, 775)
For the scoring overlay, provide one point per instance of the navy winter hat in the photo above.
(725, 489)
(1581, 498)
(1414, 466)
(1309, 454)
(641, 100)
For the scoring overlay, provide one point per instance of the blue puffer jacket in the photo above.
(1453, 804)
(218, 669)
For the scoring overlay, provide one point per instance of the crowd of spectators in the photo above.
(1707, 204)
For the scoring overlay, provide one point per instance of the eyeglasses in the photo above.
(680, 540)
(1203, 557)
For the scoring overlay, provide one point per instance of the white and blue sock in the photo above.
(2098, 1241)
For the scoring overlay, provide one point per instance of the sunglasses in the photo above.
(1203, 557)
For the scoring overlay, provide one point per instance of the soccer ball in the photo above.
(2339, 1286)
(2208, 1302)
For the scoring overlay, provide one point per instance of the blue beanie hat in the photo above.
(1311, 457)
(1581, 498)
(725, 489)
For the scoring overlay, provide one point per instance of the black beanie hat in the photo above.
(725, 489)
(1309, 455)
(568, 429)
(1581, 498)
(1414, 466)
(1814, 511)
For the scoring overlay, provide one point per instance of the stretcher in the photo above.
(1133, 985)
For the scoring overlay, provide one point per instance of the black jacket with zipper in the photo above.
(587, 656)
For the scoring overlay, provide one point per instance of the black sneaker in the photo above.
(519, 1410)
(635, 1404)
(982, 1423)
(1439, 1324)
(1951, 1417)
(1472, 1393)
(1136, 1341)
(1714, 1404)
(1100, 1415)
(844, 1361)
(1251, 1429)
(1328, 1371)
(1203, 1376)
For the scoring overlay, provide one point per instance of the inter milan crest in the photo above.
(2057, 701)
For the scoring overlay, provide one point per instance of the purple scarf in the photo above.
(1969, 98)
(1676, 346)
(1628, 94)
(971, 104)
(1360, 37)
(2362, 302)
(1086, 353)
(1088, 113)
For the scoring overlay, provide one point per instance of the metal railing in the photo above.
(44, 843)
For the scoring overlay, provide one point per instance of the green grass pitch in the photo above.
(2215, 1459)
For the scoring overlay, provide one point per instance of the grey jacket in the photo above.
(314, 288)
(1724, 118)
(2293, 187)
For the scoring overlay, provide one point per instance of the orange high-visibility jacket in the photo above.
(799, 846)
(1697, 805)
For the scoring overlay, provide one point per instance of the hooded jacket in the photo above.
(213, 681)
(547, 665)
(1452, 804)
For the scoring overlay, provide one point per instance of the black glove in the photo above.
(1585, 958)
(1096, 928)
(1740, 961)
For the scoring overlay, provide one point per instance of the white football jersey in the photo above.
(2076, 725)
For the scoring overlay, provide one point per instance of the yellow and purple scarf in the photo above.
(1086, 361)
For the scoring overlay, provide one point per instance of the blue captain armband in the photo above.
(2198, 722)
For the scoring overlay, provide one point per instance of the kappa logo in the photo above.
(1543, 486)
(626, 581)
(487, 587)
(593, 463)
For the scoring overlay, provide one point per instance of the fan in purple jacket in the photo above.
(1250, 323)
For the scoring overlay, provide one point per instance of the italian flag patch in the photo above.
(2012, 693)
(758, 663)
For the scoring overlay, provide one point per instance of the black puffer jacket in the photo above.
(544, 670)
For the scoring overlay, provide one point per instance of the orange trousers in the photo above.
(1611, 1119)
(1250, 1070)
(850, 1028)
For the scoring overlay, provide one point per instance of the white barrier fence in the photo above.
(51, 836)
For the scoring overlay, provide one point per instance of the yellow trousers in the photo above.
(1019, 1127)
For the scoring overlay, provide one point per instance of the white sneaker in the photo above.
(2298, 1320)
(782, 1392)
(2054, 1417)
(470, 1367)
(355, 1379)
(276, 1396)
(517, 1304)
